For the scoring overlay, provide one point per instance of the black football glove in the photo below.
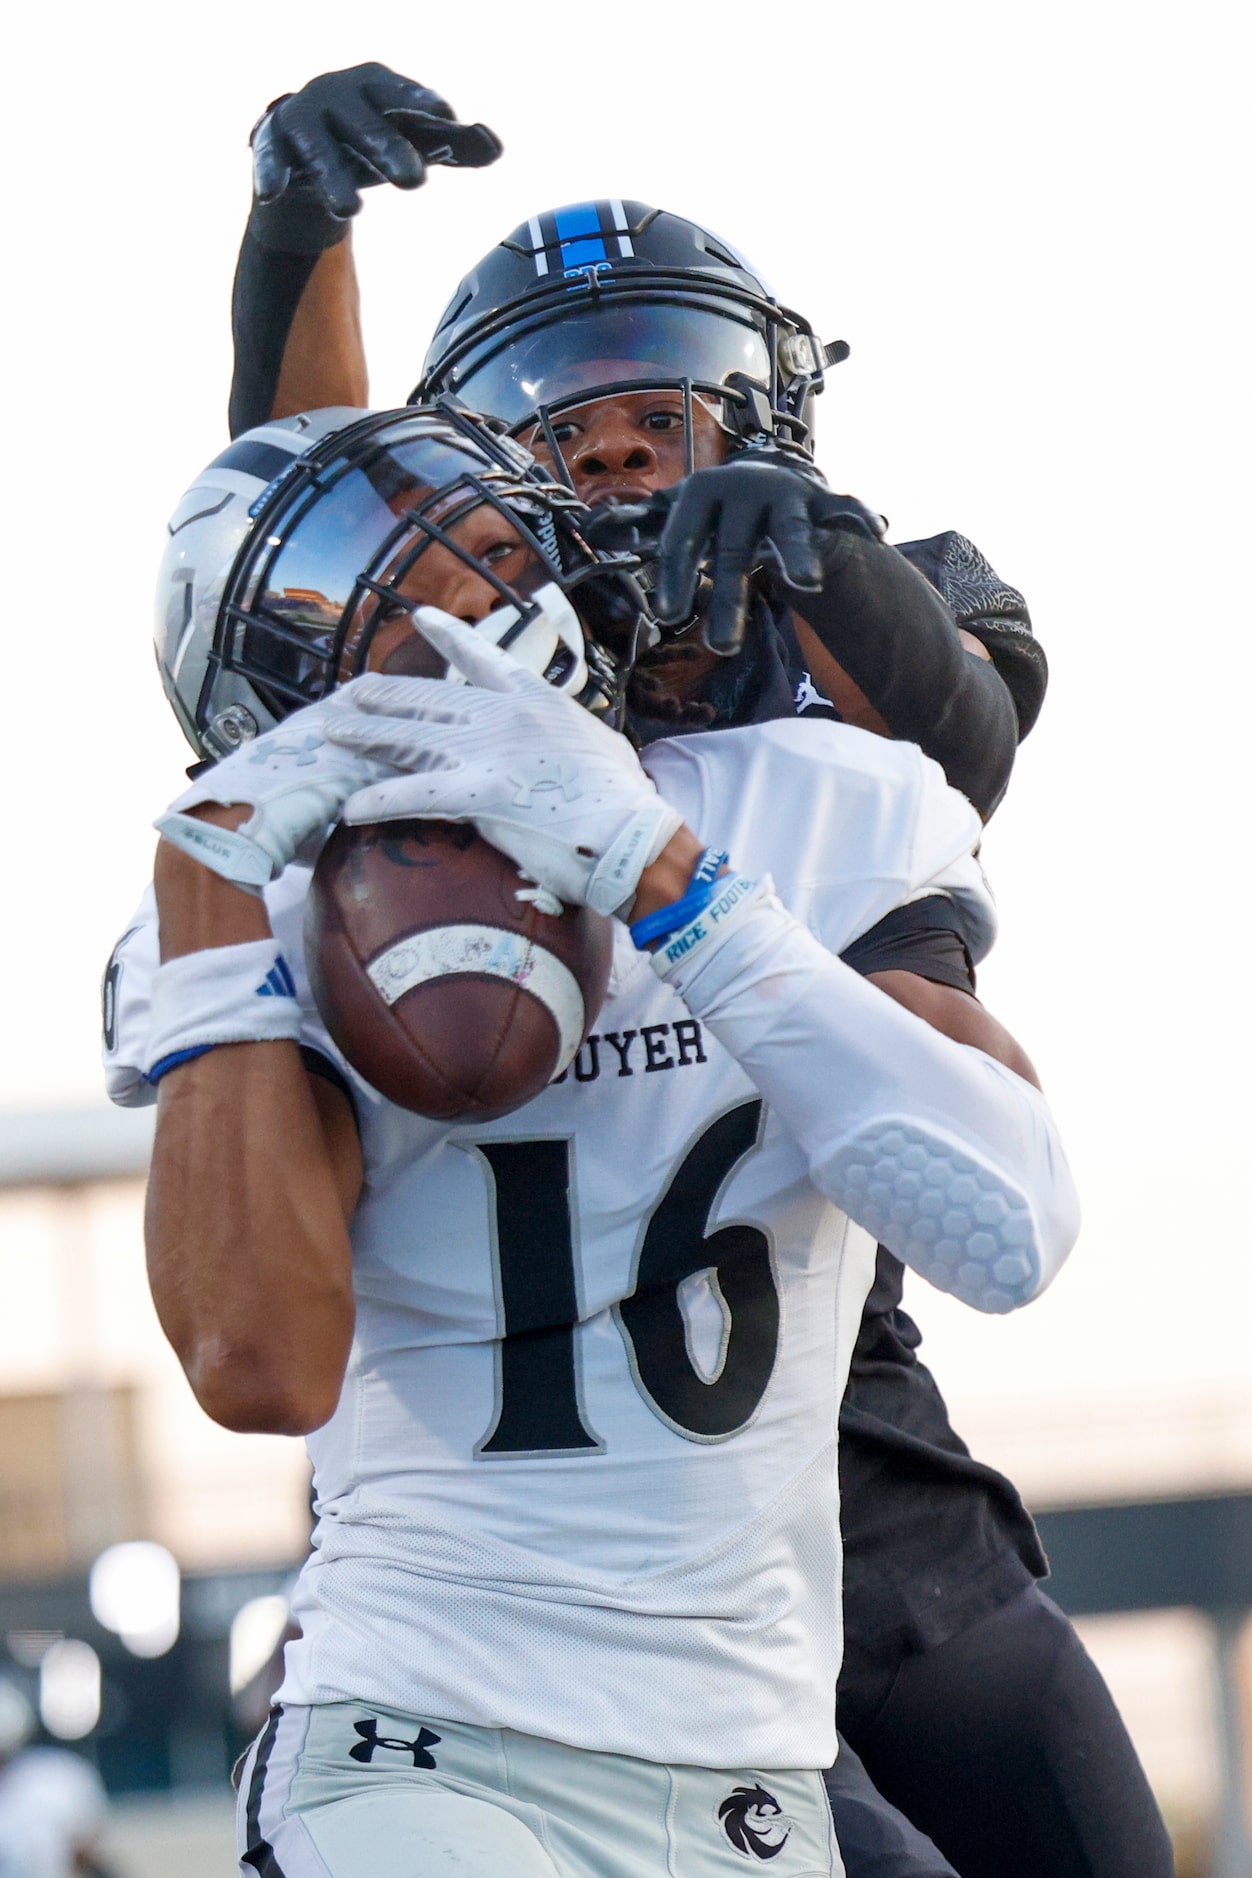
(346, 131)
(756, 511)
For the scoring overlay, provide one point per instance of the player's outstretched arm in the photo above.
(295, 311)
(878, 639)
(255, 1172)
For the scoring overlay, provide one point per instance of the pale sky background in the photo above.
(1029, 223)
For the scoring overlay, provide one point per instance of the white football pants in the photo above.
(347, 1791)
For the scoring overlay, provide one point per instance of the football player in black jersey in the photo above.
(965, 1691)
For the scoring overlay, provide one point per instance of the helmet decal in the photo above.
(588, 234)
(267, 460)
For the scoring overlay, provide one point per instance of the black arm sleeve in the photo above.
(896, 637)
(926, 937)
(281, 245)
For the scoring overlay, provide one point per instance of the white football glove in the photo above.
(295, 781)
(560, 794)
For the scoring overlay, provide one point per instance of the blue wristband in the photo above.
(668, 919)
(174, 1060)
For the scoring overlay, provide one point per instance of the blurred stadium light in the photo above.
(69, 1689)
(134, 1591)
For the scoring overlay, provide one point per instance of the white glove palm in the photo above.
(295, 781)
(539, 778)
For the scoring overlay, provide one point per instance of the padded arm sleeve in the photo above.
(948, 1158)
(897, 638)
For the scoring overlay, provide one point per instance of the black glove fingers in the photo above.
(622, 527)
(788, 528)
(389, 93)
(692, 525)
(726, 616)
(459, 146)
(332, 170)
(271, 165)
(382, 146)
(472, 146)
(429, 123)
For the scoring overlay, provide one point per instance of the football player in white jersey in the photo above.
(571, 1379)
(941, 1556)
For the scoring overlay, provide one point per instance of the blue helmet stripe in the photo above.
(584, 235)
(578, 231)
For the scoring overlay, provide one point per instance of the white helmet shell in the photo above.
(206, 532)
(290, 551)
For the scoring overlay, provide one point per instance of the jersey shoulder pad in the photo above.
(813, 800)
(848, 824)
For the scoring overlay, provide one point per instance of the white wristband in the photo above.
(693, 944)
(228, 994)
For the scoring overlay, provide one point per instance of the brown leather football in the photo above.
(447, 992)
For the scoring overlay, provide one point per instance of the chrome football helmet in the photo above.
(615, 297)
(301, 543)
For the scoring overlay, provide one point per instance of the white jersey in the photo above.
(581, 1481)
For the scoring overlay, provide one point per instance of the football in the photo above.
(445, 989)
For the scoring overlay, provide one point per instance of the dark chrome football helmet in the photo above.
(302, 541)
(613, 297)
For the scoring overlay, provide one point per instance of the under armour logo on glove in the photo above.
(558, 777)
(303, 752)
(371, 1739)
(753, 1821)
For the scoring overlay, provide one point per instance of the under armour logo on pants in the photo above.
(371, 1739)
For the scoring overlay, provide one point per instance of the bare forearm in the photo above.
(958, 1015)
(323, 362)
(248, 1255)
(248, 1252)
